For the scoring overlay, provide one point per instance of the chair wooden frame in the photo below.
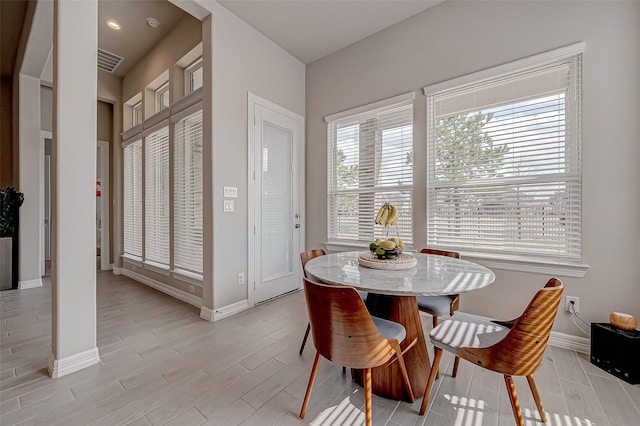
(306, 256)
(345, 334)
(455, 301)
(519, 353)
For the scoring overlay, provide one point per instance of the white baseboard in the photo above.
(167, 289)
(71, 364)
(569, 341)
(207, 314)
(225, 311)
(30, 284)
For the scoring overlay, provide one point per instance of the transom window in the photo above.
(193, 76)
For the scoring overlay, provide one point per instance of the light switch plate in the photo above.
(229, 206)
(230, 192)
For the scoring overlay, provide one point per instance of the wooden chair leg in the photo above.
(436, 321)
(456, 362)
(367, 397)
(536, 397)
(432, 378)
(403, 369)
(304, 339)
(513, 397)
(312, 378)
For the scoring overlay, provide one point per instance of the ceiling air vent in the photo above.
(108, 61)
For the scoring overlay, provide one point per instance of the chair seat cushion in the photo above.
(390, 329)
(464, 329)
(435, 305)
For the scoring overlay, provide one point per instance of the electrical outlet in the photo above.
(576, 304)
(241, 278)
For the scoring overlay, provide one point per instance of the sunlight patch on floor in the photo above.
(345, 413)
(469, 412)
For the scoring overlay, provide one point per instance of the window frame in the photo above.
(506, 260)
(159, 96)
(188, 72)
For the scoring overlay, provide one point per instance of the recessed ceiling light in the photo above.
(113, 24)
(153, 22)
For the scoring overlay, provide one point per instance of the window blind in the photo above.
(156, 177)
(370, 162)
(503, 163)
(187, 196)
(133, 199)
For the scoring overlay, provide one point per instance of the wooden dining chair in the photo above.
(306, 256)
(345, 334)
(438, 306)
(511, 348)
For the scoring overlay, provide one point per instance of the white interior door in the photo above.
(276, 205)
(102, 205)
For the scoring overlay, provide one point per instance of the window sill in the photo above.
(135, 260)
(187, 276)
(507, 262)
(156, 267)
(524, 264)
(335, 246)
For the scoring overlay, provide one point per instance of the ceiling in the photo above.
(135, 38)
(307, 29)
(12, 15)
(312, 29)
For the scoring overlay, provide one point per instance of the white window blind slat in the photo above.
(503, 163)
(156, 173)
(133, 199)
(370, 162)
(187, 198)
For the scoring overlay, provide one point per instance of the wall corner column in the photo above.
(207, 309)
(73, 285)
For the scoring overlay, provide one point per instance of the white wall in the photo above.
(457, 38)
(243, 61)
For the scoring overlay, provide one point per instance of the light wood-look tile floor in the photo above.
(162, 364)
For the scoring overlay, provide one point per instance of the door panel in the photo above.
(277, 198)
(277, 203)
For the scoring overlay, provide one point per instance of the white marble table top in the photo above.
(433, 275)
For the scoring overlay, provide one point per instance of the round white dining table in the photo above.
(392, 295)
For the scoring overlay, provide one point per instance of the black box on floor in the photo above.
(616, 351)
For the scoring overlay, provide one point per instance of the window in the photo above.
(193, 77)
(136, 114)
(188, 192)
(503, 159)
(133, 199)
(156, 200)
(162, 97)
(370, 162)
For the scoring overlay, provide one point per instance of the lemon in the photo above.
(401, 244)
(380, 251)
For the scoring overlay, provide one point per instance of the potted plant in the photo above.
(10, 202)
